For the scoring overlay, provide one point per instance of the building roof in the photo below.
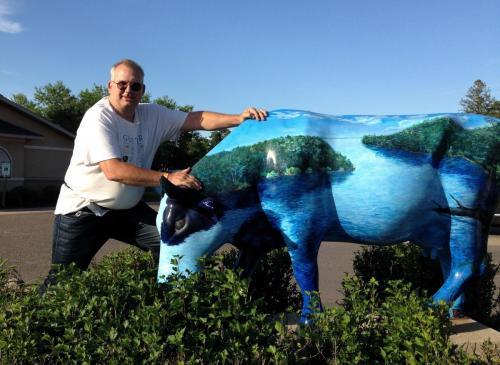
(29, 113)
(11, 130)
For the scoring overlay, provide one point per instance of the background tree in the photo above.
(478, 99)
(59, 105)
(188, 149)
(217, 136)
(23, 100)
(89, 97)
(171, 104)
(146, 98)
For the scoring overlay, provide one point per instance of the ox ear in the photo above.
(183, 195)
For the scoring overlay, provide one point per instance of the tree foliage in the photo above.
(407, 262)
(478, 99)
(171, 104)
(187, 150)
(89, 97)
(23, 100)
(218, 136)
(57, 104)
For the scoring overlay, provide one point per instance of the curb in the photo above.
(470, 335)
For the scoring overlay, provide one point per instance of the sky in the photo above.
(326, 56)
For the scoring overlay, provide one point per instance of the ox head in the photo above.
(186, 221)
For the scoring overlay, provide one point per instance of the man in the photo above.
(110, 167)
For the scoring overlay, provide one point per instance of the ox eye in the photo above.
(179, 223)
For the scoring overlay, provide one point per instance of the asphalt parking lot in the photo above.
(26, 236)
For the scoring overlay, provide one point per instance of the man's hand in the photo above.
(254, 113)
(182, 179)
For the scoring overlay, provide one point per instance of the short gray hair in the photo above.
(127, 62)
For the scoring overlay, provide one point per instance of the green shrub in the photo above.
(216, 319)
(21, 196)
(116, 313)
(406, 263)
(107, 314)
(398, 262)
(272, 281)
(484, 297)
(4, 274)
(4, 290)
(11, 284)
(376, 326)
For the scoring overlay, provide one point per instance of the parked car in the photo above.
(496, 219)
(495, 224)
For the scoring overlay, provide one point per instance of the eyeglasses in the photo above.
(122, 85)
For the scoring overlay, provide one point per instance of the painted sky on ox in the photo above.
(297, 123)
(327, 56)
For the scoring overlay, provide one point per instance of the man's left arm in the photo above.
(211, 121)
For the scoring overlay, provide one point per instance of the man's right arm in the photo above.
(119, 171)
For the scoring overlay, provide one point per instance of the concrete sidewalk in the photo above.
(471, 334)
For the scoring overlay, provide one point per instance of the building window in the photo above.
(5, 163)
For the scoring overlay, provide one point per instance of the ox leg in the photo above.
(445, 262)
(247, 262)
(305, 270)
(302, 211)
(466, 244)
(255, 239)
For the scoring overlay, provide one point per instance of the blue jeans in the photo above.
(78, 236)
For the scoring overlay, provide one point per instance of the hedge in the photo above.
(116, 313)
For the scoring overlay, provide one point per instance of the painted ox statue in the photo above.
(301, 178)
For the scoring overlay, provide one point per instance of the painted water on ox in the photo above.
(388, 198)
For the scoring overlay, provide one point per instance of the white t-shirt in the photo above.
(104, 135)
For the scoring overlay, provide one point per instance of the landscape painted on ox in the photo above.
(429, 179)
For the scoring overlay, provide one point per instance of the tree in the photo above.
(478, 99)
(167, 102)
(87, 97)
(23, 100)
(56, 103)
(171, 104)
(217, 136)
(146, 98)
(189, 148)
(194, 145)
(59, 105)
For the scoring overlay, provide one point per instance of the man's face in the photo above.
(121, 90)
